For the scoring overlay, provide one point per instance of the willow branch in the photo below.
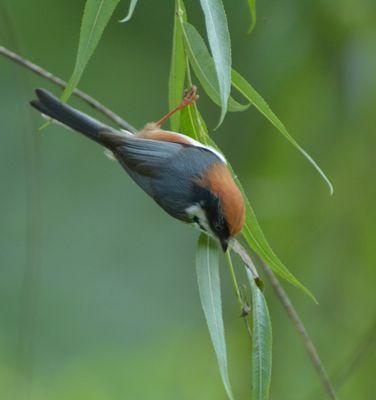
(237, 248)
(235, 245)
(59, 82)
(299, 326)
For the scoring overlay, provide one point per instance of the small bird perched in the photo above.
(189, 180)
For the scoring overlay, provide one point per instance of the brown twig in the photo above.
(299, 326)
(59, 82)
(235, 245)
(242, 253)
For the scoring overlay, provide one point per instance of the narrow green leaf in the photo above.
(177, 69)
(187, 124)
(261, 344)
(220, 45)
(132, 6)
(191, 123)
(207, 268)
(256, 239)
(97, 13)
(246, 89)
(252, 9)
(204, 68)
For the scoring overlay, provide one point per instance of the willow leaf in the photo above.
(177, 69)
(96, 15)
(132, 6)
(207, 268)
(246, 89)
(252, 10)
(220, 45)
(261, 343)
(256, 239)
(204, 68)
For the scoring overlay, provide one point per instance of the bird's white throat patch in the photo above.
(197, 211)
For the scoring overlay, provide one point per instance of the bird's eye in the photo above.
(218, 227)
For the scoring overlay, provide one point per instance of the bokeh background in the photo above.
(98, 295)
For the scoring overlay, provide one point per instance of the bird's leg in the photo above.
(190, 97)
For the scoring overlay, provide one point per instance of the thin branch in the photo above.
(242, 252)
(299, 326)
(59, 82)
(235, 245)
(244, 307)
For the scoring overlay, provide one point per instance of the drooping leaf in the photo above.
(177, 69)
(195, 125)
(252, 9)
(191, 122)
(188, 126)
(220, 46)
(132, 6)
(246, 89)
(261, 343)
(207, 268)
(256, 239)
(204, 68)
(96, 15)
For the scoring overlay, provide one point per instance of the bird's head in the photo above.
(221, 211)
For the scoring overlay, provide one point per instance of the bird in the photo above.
(189, 180)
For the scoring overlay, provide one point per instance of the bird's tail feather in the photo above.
(51, 106)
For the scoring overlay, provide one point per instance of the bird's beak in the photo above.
(224, 244)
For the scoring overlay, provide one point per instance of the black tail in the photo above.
(52, 107)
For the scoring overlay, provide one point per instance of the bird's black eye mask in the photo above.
(211, 205)
(216, 219)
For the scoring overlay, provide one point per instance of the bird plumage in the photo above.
(190, 181)
(219, 179)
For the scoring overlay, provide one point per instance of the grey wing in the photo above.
(145, 157)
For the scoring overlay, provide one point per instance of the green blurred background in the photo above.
(98, 297)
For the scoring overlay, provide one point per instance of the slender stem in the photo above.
(243, 305)
(192, 108)
(59, 82)
(242, 252)
(201, 131)
(299, 326)
(235, 245)
(188, 69)
(234, 280)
